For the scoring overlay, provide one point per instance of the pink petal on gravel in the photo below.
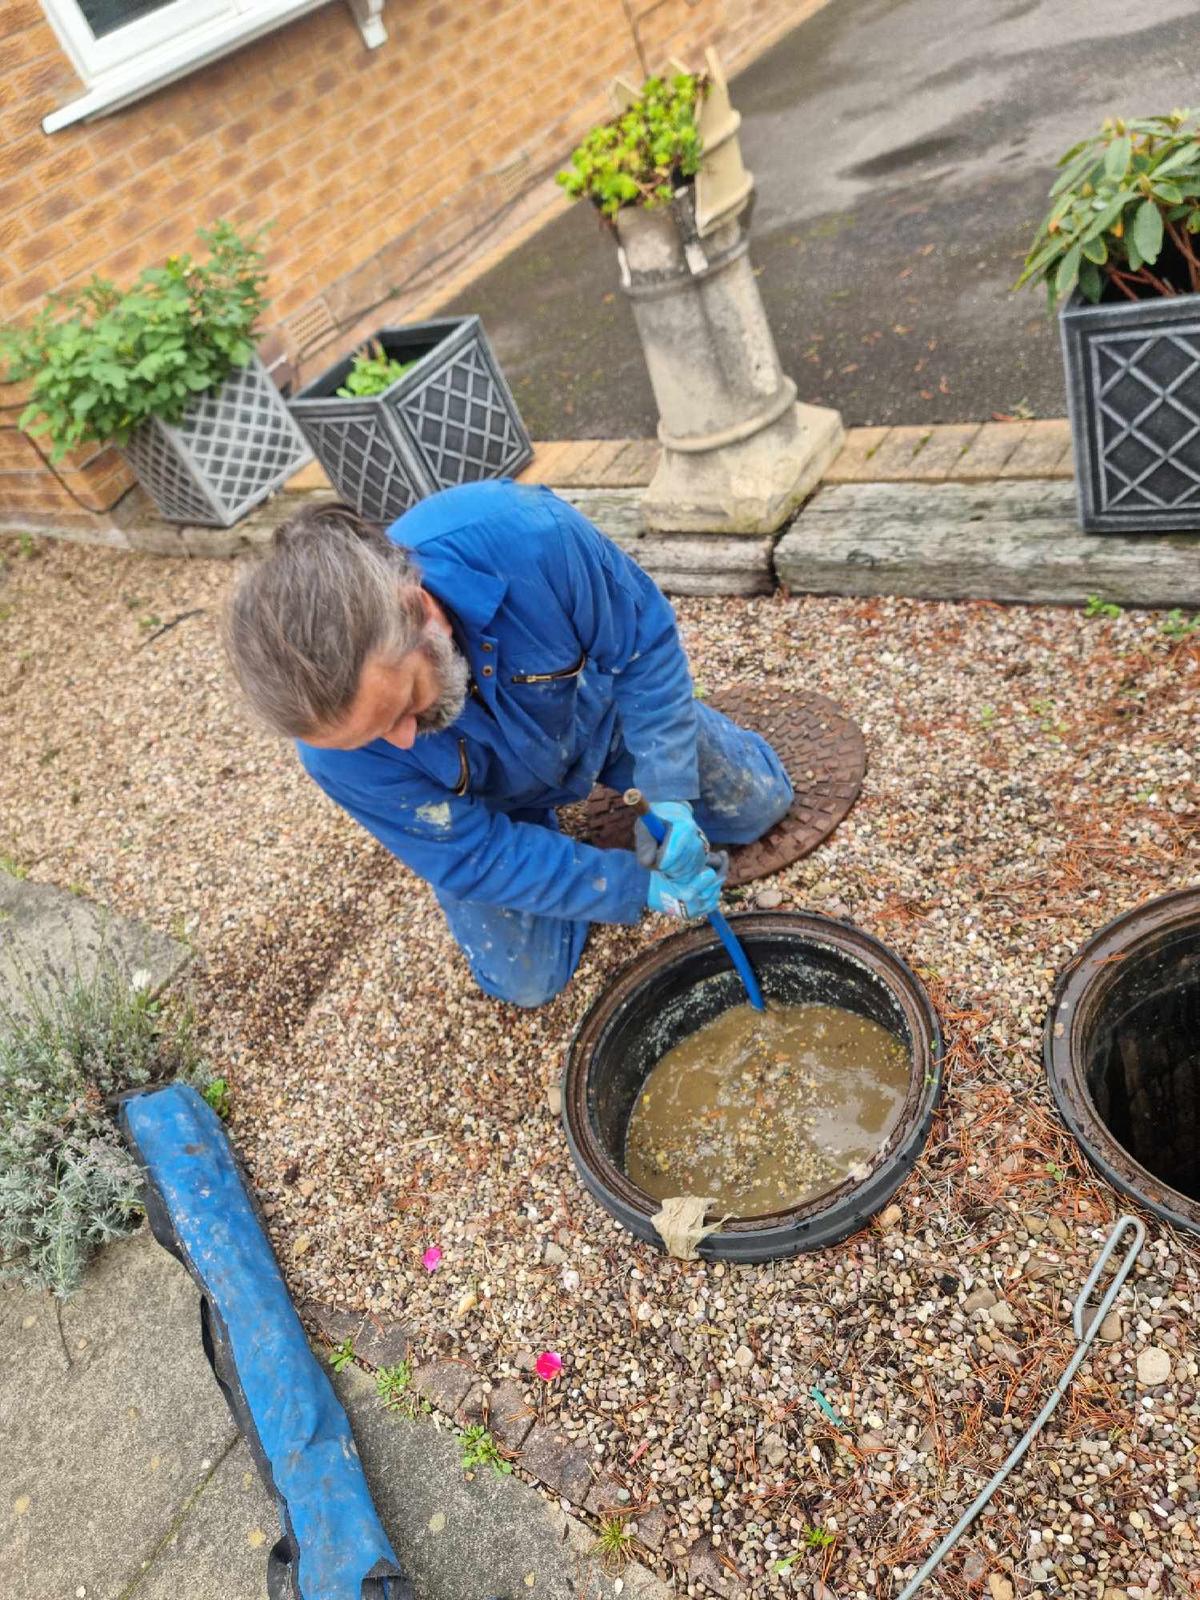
(432, 1259)
(548, 1365)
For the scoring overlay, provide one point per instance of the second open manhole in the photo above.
(1122, 1052)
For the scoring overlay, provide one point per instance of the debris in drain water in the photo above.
(765, 1110)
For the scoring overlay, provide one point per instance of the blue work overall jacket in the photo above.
(573, 653)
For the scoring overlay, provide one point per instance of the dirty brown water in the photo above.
(762, 1111)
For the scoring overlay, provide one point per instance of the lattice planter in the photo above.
(1133, 389)
(235, 445)
(450, 419)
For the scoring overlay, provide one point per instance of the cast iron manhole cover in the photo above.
(825, 757)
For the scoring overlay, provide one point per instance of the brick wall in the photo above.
(371, 164)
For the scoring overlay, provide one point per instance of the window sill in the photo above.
(208, 43)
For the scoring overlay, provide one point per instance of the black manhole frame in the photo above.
(1082, 986)
(829, 1218)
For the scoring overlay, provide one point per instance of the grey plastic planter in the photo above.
(450, 419)
(1133, 390)
(234, 446)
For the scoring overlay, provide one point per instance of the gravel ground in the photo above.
(1032, 773)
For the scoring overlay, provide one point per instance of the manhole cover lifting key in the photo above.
(1085, 1337)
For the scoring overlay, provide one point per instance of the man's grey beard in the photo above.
(454, 677)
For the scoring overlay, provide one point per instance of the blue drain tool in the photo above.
(737, 954)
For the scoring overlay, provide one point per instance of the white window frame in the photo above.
(169, 43)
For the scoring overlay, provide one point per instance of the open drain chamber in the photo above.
(1122, 1052)
(684, 982)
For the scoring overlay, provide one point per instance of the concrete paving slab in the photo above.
(42, 926)
(218, 1548)
(123, 1475)
(943, 449)
(109, 1424)
(898, 455)
(465, 1539)
(1014, 541)
(991, 451)
(1044, 452)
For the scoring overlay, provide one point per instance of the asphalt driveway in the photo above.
(903, 150)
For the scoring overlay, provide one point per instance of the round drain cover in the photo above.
(822, 751)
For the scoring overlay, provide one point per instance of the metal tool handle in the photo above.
(1123, 1225)
(733, 945)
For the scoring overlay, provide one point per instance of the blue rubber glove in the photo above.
(696, 896)
(684, 852)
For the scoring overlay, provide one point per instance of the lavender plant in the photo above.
(67, 1043)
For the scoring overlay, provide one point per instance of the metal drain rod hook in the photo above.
(1085, 1337)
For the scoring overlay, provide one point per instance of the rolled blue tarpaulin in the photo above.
(333, 1545)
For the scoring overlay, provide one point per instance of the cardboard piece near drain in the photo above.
(681, 1224)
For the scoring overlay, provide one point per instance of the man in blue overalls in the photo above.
(454, 681)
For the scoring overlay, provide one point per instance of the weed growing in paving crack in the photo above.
(613, 1543)
(68, 1043)
(393, 1386)
(341, 1355)
(479, 1449)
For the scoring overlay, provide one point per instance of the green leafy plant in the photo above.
(218, 1096)
(1125, 214)
(100, 361)
(67, 1043)
(1176, 626)
(1050, 722)
(341, 1355)
(1096, 607)
(479, 1449)
(392, 1386)
(372, 372)
(812, 1539)
(640, 157)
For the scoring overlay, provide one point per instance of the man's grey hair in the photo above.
(301, 624)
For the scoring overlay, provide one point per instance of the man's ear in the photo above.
(434, 612)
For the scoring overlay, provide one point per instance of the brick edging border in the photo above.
(941, 453)
(957, 452)
(542, 1456)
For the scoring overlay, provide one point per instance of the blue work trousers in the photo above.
(527, 959)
